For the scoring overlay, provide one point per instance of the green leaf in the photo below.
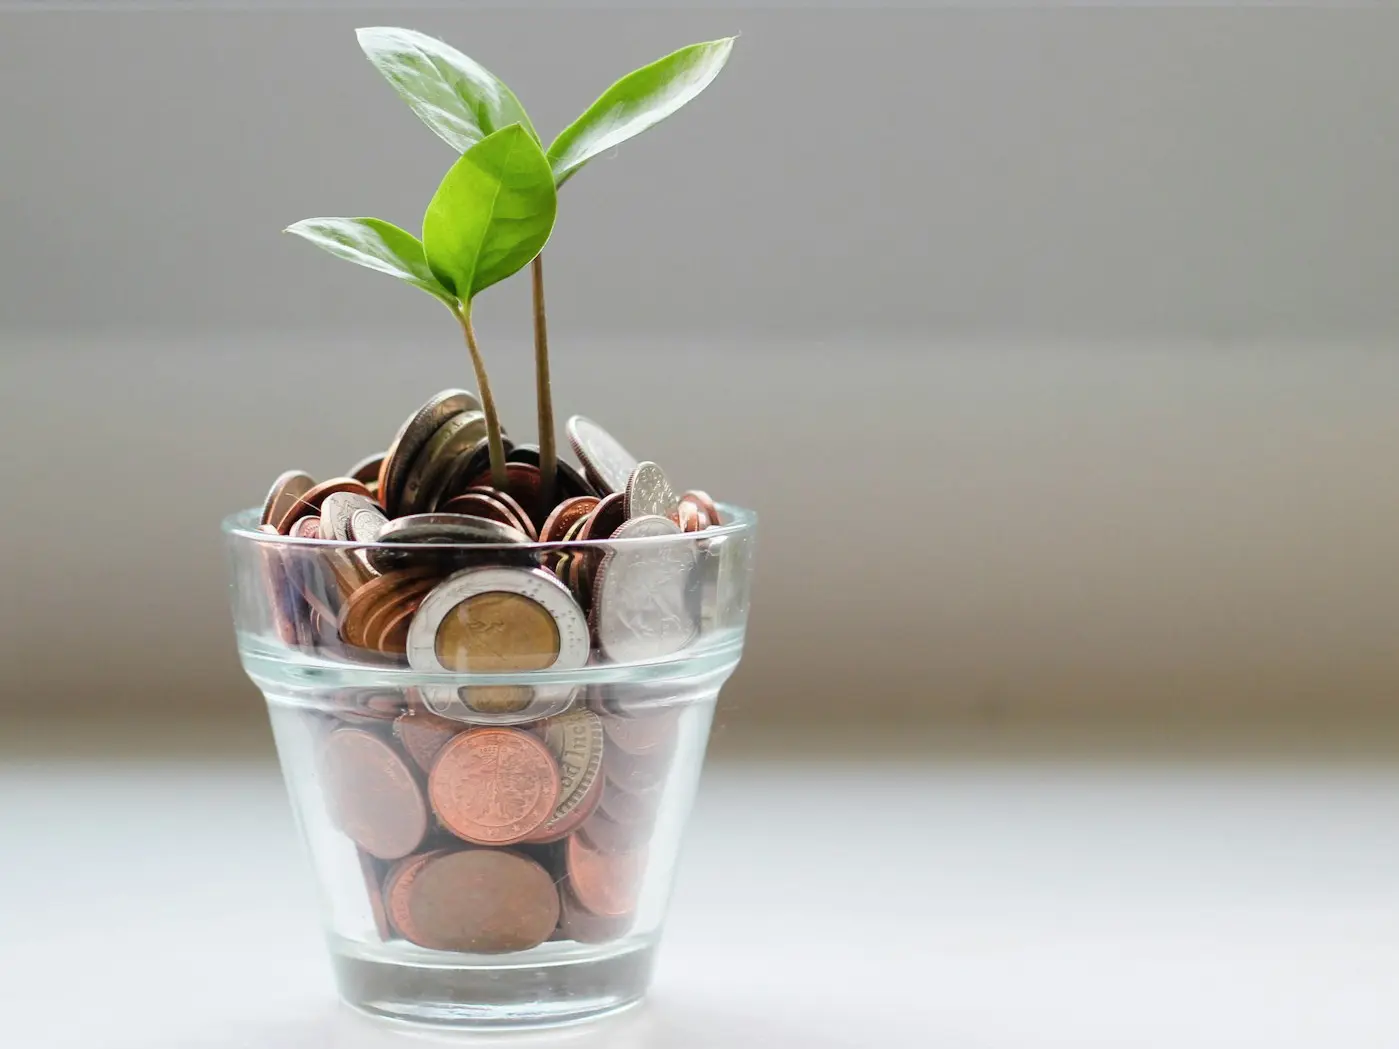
(460, 100)
(375, 244)
(637, 101)
(492, 213)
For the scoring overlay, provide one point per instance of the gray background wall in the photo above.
(1057, 349)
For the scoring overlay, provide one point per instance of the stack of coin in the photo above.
(492, 839)
(430, 519)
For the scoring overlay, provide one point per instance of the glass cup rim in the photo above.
(242, 526)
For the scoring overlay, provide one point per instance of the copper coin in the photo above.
(365, 599)
(484, 901)
(367, 469)
(566, 514)
(606, 518)
(393, 641)
(637, 773)
(285, 491)
(477, 505)
(358, 706)
(310, 501)
(575, 739)
(494, 786)
(619, 806)
(397, 886)
(604, 834)
(687, 516)
(370, 870)
(568, 481)
(578, 923)
(281, 595)
(424, 734)
(649, 734)
(702, 500)
(306, 528)
(607, 884)
(527, 524)
(521, 520)
(371, 794)
(386, 610)
(523, 484)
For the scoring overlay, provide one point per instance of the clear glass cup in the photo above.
(492, 849)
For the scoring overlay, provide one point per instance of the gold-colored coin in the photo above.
(498, 632)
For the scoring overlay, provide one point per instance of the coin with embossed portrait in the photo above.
(648, 493)
(644, 606)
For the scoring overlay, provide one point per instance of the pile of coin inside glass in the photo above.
(489, 818)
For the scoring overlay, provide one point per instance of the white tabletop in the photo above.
(977, 905)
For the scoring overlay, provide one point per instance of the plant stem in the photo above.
(499, 478)
(548, 455)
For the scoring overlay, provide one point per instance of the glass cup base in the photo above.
(492, 996)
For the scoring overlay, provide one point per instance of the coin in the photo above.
(385, 627)
(606, 518)
(614, 837)
(371, 794)
(607, 884)
(688, 515)
(648, 493)
(703, 502)
(602, 455)
(643, 607)
(306, 528)
(398, 883)
(645, 735)
(528, 622)
(634, 773)
(476, 505)
(567, 513)
(411, 437)
(370, 872)
(366, 598)
(483, 901)
(339, 508)
(569, 483)
(309, 502)
(576, 740)
(523, 484)
(578, 923)
(367, 469)
(494, 786)
(423, 735)
(285, 491)
(623, 807)
(432, 467)
(511, 504)
(429, 530)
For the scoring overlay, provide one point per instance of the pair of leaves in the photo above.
(495, 209)
(463, 102)
(490, 216)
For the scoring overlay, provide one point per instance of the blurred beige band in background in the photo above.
(985, 531)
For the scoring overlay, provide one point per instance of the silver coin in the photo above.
(366, 523)
(535, 584)
(449, 528)
(433, 466)
(285, 492)
(602, 454)
(338, 508)
(643, 601)
(649, 493)
(415, 433)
